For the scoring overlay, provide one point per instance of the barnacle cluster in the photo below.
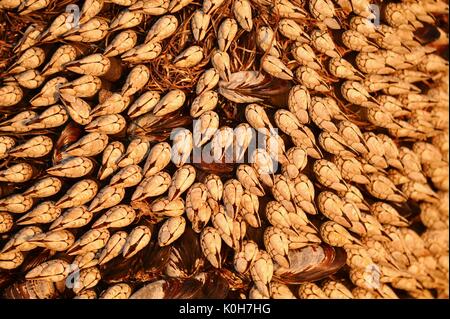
(224, 149)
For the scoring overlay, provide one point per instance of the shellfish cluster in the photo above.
(224, 149)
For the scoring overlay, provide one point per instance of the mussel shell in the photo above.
(35, 258)
(31, 289)
(215, 168)
(69, 135)
(155, 258)
(6, 279)
(190, 254)
(6, 190)
(255, 87)
(215, 286)
(427, 34)
(171, 288)
(235, 280)
(146, 265)
(311, 263)
(120, 269)
(157, 128)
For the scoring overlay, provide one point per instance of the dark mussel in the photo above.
(215, 286)
(186, 257)
(170, 288)
(311, 263)
(69, 135)
(31, 289)
(146, 265)
(157, 128)
(255, 87)
(236, 281)
(223, 169)
(39, 256)
(6, 279)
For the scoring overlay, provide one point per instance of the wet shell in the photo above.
(310, 264)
